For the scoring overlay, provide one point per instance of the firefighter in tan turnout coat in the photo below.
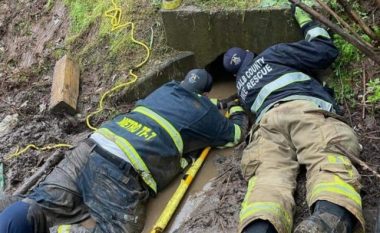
(296, 124)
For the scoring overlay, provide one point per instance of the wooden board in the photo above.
(65, 88)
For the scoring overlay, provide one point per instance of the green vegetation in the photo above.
(345, 73)
(374, 90)
(348, 70)
(85, 13)
(239, 4)
(88, 22)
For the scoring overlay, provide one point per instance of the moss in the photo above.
(58, 53)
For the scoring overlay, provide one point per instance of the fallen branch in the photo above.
(54, 159)
(364, 83)
(344, 23)
(358, 20)
(349, 38)
(356, 160)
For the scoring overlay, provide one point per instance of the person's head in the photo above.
(233, 59)
(198, 81)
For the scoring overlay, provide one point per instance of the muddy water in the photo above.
(201, 183)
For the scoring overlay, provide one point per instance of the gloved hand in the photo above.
(223, 103)
(300, 15)
(234, 107)
(239, 117)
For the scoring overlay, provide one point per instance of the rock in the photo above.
(8, 123)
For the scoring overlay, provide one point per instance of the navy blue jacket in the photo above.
(285, 71)
(195, 117)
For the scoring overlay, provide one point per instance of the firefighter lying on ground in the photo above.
(296, 124)
(110, 175)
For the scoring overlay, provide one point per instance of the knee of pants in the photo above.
(14, 219)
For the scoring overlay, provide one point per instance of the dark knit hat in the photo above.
(233, 59)
(198, 81)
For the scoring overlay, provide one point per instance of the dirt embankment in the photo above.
(33, 36)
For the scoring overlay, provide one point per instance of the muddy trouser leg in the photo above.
(322, 143)
(86, 185)
(57, 200)
(114, 194)
(269, 164)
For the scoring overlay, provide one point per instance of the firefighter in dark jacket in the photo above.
(295, 125)
(110, 175)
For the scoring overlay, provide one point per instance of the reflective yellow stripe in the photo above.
(237, 137)
(236, 109)
(64, 229)
(169, 128)
(273, 86)
(214, 101)
(271, 208)
(134, 157)
(251, 185)
(340, 159)
(337, 187)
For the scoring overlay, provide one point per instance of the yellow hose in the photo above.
(174, 202)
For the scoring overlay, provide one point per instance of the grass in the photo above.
(345, 73)
(238, 4)
(374, 90)
(89, 23)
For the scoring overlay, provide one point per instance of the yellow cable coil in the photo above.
(115, 15)
(32, 146)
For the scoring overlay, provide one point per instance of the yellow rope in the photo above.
(115, 15)
(32, 146)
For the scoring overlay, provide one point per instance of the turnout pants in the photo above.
(86, 184)
(289, 135)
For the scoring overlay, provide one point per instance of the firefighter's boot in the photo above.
(327, 218)
(259, 226)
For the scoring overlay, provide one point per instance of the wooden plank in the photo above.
(65, 87)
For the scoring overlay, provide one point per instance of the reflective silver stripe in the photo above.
(237, 137)
(133, 156)
(316, 32)
(184, 163)
(214, 101)
(169, 128)
(320, 103)
(279, 83)
(109, 146)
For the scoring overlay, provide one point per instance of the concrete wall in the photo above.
(209, 34)
(173, 69)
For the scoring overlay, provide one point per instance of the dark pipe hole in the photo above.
(216, 69)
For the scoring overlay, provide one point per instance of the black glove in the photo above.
(223, 103)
